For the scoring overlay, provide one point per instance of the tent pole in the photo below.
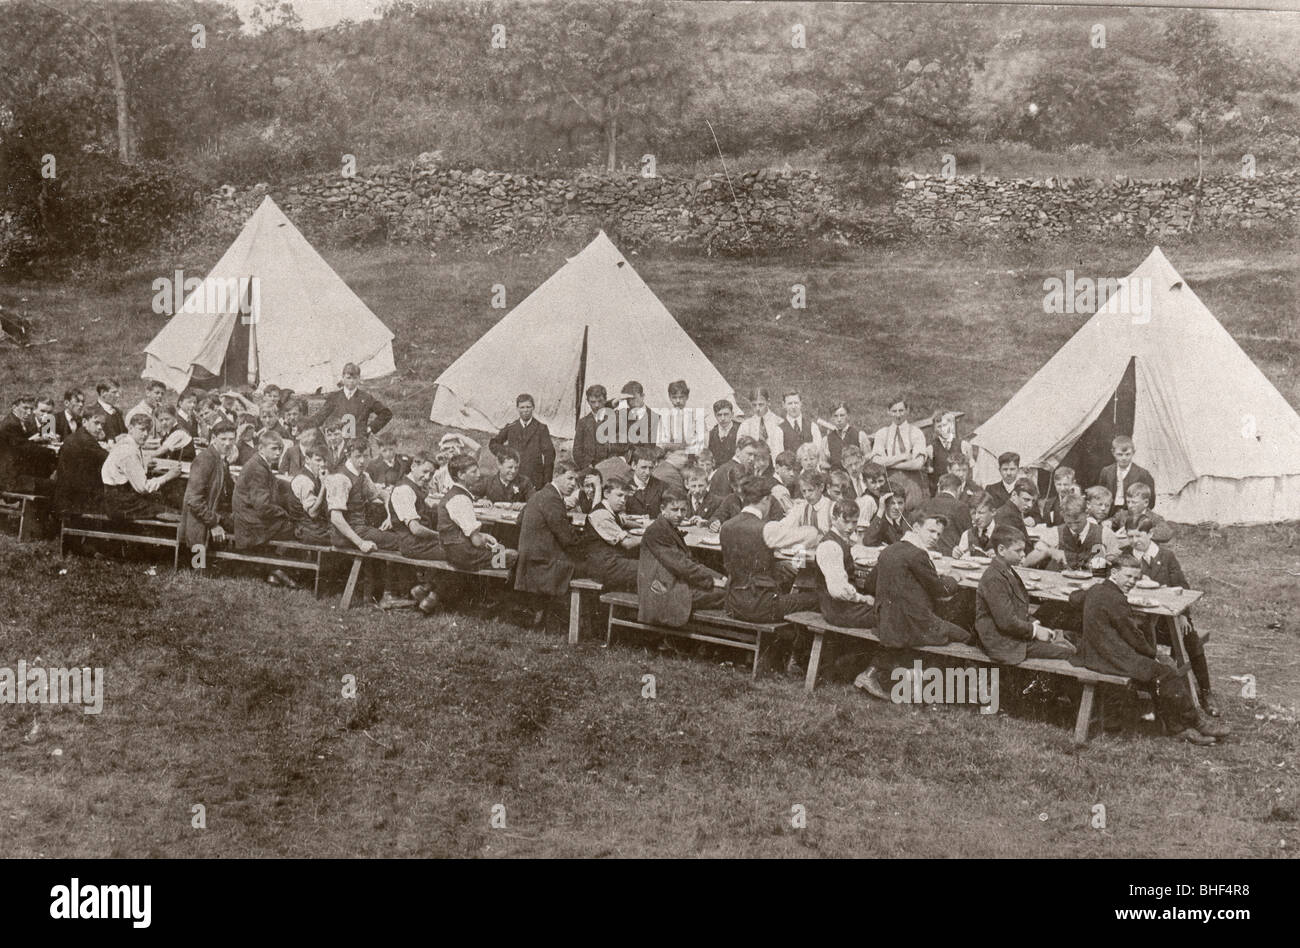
(582, 380)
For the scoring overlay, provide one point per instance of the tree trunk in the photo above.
(125, 149)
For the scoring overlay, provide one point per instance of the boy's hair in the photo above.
(1144, 524)
(355, 446)
(787, 459)
(673, 495)
(940, 519)
(633, 388)
(693, 473)
(807, 450)
(762, 448)
(790, 392)
(1138, 490)
(957, 459)
(332, 425)
(813, 479)
(839, 477)
(165, 412)
(759, 391)
(155, 386)
(720, 404)
(1098, 493)
(507, 454)
(751, 488)
(594, 390)
(73, 393)
(1008, 457)
(301, 404)
(705, 455)
(846, 509)
(1005, 536)
(678, 387)
(1125, 561)
(525, 397)
(950, 483)
(140, 420)
(851, 451)
(563, 465)
(351, 368)
(985, 500)
(458, 465)
(104, 385)
(44, 400)
(1025, 486)
(221, 427)
(386, 438)
(645, 452)
(269, 404)
(900, 400)
(1121, 441)
(872, 469)
(1061, 472)
(745, 441)
(193, 393)
(612, 483)
(269, 437)
(1072, 504)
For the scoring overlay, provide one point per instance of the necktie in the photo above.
(898, 440)
(808, 515)
(762, 429)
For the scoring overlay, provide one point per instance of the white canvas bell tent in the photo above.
(272, 311)
(1220, 441)
(593, 321)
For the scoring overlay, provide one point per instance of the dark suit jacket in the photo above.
(998, 491)
(535, 447)
(632, 434)
(646, 501)
(369, 412)
(114, 426)
(1008, 515)
(587, 450)
(547, 541)
(793, 437)
(1136, 475)
(61, 426)
(257, 507)
(724, 478)
(386, 476)
(666, 574)
(956, 513)
(704, 509)
(204, 495)
(1112, 642)
(78, 487)
(880, 532)
(1002, 619)
(907, 584)
(13, 448)
(1165, 569)
(516, 492)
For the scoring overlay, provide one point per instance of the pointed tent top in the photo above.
(629, 335)
(308, 325)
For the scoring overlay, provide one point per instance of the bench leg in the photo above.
(609, 628)
(1083, 723)
(814, 657)
(22, 521)
(575, 614)
(316, 588)
(351, 586)
(1178, 648)
(758, 652)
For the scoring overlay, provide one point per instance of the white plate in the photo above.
(964, 564)
(1145, 583)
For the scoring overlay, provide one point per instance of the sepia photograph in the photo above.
(642, 429)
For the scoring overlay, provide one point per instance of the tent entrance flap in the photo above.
(1091, 452)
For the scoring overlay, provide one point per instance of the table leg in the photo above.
(351, 586)
(1083, 724)
(575, 613)
(814, 657)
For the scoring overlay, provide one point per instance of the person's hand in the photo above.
(218, 534)
(369, 546)
(869, 600)
(715, 526)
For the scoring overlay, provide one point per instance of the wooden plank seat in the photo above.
(1089, 708)
(576, 588)
(162, 533)
(282, 554)
(706, 625)
(22, 507)
(387, 556)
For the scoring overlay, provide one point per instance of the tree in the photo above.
(1208, 77)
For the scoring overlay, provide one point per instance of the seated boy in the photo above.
(645, 497)
(967, 491)
(609, 551)
(699, 504)
(841, 602)
(508, 486)
(464, 543)
(707, 462)
(670, 583)
(129, 493)
(390, 467)
(1073, 543)
(1017, 512)
(1139, 506)
(1062, 486)
(813, 509)
(978, 540)
(311, 517)
(548, 542)
(1005, 628)
(1120, 477)
(888, 526)
(671, 466)
(875, 483)
(259, 508)
(351, 496)
(1009, 471)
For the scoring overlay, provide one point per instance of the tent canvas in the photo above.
(1220, 441)
(271, 311)
(593, 321)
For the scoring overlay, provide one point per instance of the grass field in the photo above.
(227, 693)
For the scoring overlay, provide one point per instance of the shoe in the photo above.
(537, 619)
(1193, 736)
(168, 517)
(274, 579)
(870, 683)
(419, 592)
(793, 669)
(284, 579)
(1208, 704)
(428, 603)
(1212, 728)
(389, 601)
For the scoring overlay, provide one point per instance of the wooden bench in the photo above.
(576, 588)
(1089, 707)
(387, 556)
(315, 556)
(706, 625)
(23, 507)
(123, 531)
